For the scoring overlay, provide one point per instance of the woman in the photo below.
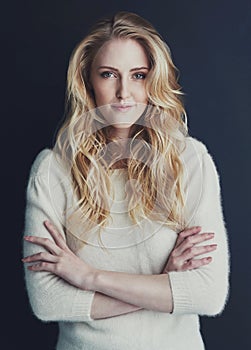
(112, 244)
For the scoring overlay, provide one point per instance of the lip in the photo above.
(122, 107)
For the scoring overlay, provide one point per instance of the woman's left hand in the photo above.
(182, 257)
(59, 259)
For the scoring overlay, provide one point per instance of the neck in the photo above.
(122, 134)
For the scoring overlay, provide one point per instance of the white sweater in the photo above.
(202, 291)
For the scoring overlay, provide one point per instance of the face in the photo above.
(118, 75)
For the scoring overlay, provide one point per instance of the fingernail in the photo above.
(27, 238)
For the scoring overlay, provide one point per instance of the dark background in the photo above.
(210, 44)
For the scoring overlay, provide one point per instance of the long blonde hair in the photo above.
(83, 137)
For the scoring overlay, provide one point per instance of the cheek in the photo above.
(142, 95)
(103, 94)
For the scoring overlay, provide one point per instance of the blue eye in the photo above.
(107, 74)
(139, 76)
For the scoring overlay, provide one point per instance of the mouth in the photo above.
(122, 107)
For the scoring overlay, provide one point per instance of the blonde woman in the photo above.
(124, 239)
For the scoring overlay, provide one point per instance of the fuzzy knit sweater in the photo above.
(202, 291)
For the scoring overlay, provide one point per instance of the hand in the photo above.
(181, 257)
(59, 259)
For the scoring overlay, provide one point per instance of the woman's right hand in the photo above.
(182, 256)
(59, 259)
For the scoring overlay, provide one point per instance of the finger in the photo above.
(191, 240)
(42, 266)
(42, 256)
(195, 251)
(47, 243)
(57, 236)
(194, 264)
(187, 232)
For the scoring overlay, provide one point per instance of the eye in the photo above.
(139, 76)
(107, 75)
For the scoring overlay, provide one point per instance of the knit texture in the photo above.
(202, 291)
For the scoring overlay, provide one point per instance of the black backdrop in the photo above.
(210, 44)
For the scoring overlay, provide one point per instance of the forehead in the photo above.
(121, 53)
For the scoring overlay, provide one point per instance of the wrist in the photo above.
(91, 278)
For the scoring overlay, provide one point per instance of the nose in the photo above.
(123, 89)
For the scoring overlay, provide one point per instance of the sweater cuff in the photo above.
(181, 292)
(81, 308)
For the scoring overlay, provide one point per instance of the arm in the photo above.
(152, 292)
(147, 291)
(62, 262)
(104, 306)
(205, 290)
(51, 298)
(180, 259)
(200, 285)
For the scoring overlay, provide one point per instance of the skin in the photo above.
(118, 293)
(119, 83)
(122, 291)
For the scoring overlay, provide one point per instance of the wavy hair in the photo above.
(156, 140)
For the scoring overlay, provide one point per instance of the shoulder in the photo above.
(199, 164)
(46, 163)
(41, 162)
(197, 158)
(197, 149)
(194, 153)
(49, 180)
(194, 146)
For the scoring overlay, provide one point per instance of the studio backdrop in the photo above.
(210, 46)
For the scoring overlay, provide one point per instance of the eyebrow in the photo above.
(131, 70)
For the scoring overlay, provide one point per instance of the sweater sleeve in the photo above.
(204, 290)
(51, 298)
